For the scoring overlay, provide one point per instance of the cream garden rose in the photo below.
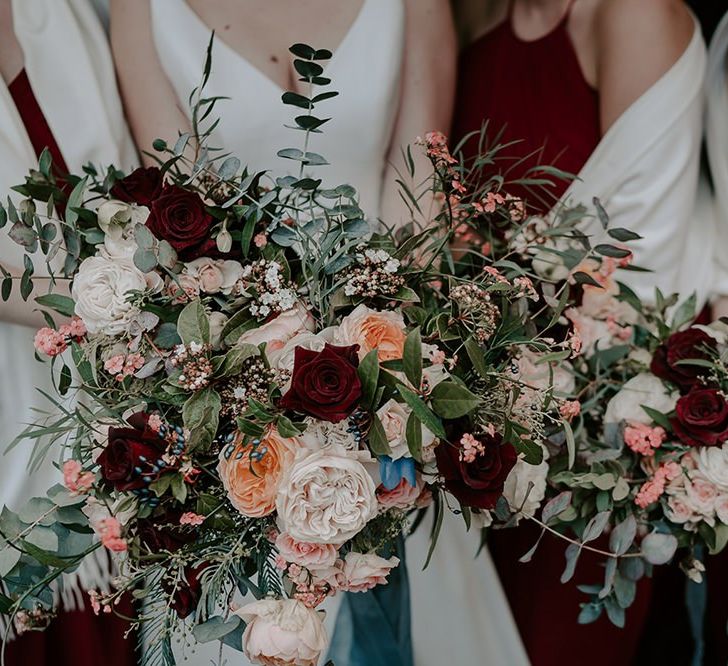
(325, 498)
(393, 416)
(215, 275)
(101, 289)
(642, 389)
(280, 330)
(282, 632)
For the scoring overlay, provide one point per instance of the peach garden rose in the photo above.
(252, 485)
(373, 329)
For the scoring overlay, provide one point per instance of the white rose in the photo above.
(100, 290)
(114, 216)
(516, 488)
(700, 496)
(325, 498)
(721, 508)
(217, 323)
(326, 435)
(678, 511)
(712, 464)
(643, 389)
(282, 632)
(393, 416)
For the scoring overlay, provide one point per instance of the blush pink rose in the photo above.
(721, 508)
(373, 329)
(280, 330)
(313, 556)
(403, 496)
(282, 632)
(363, 571)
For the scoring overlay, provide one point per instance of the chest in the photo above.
(261, 31)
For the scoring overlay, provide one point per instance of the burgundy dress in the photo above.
(536, 92)
(74, 638)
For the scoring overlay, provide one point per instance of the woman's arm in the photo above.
(637, 41)
(150, 102)
(428, 90)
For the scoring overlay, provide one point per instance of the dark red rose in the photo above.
(136, 447)
(324, 384)
(179, 217)
(142, 186)
(691, 344)
(701, 418)
(479, 483)
(164, 533)
(187, 593)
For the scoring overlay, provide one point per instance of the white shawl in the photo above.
(716, 137)
(70, 69)
(645, 173)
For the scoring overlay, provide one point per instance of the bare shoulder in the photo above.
(662, 28)
(637, 42)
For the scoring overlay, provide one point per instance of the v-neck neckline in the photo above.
(259, 72)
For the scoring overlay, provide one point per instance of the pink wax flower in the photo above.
(50, 342)
(191, 518)
(76, 480)
(570, 409)
(109, 530)
(260, 240)
(644, 439)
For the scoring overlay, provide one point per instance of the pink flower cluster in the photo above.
(643, 439)
(121, 366)
(570, 409)
(191, 518)
(51, 342)
(76, 480)
(472, 448)
(109, 530)
(653, 489)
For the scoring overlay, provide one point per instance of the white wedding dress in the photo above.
(459, 613)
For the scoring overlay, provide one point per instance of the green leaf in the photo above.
(235, 359)
(303, 51)
(7, 288)
(623, 235)
(64, 382)
(476, 356)
(451, 401)
(413, 432)
(294, 99)
(193, 324)
(556, 506)
(368, 371)
(658, 548)
(378, 438)
(145, 260)
(623, 535)
(412, 358)
(611, 251)
(74, 201)
(178, 488)
(229, 168)
(436, 527)
(215, 628)
(584, 278)
(286, 427)
(570, 443)
(61, 304)
(658, 417)
(424, 413)
(601, 213)
(308, 70)
(167, 336)
(310, 122)
(200, 414)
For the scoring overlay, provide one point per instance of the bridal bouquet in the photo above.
(644, 473)
(265, 387)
